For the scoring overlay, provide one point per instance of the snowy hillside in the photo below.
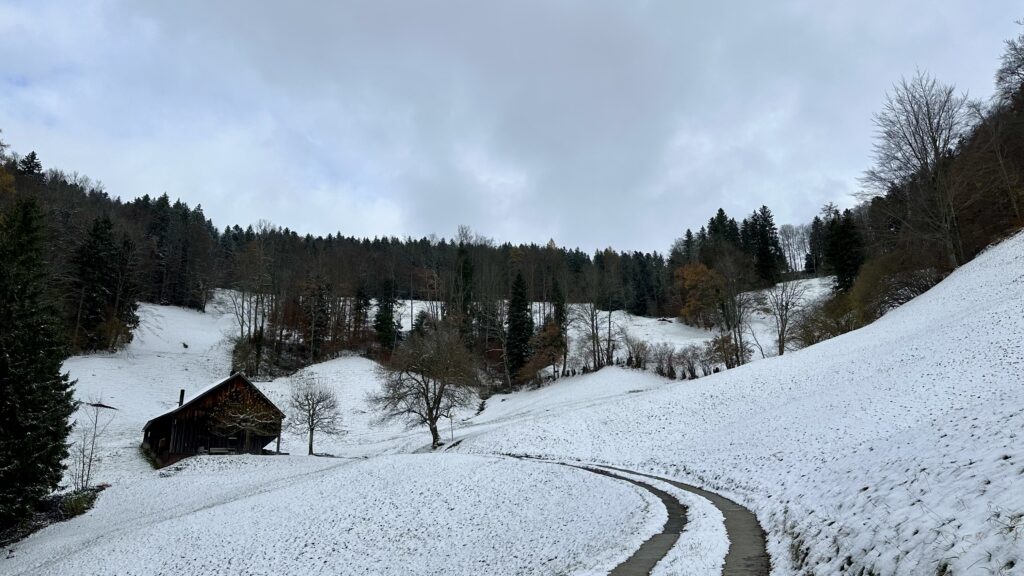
(891, 450)
(173, 349)
(392, 515)
(894, 449)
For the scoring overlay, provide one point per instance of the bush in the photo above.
(888, 282)
(823, 320)
(77, 503)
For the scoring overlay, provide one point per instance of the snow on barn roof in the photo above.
(206, 390)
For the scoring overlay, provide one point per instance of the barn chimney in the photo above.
(181, 397)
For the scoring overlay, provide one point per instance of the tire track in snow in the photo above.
(642, 562)
(747, 554)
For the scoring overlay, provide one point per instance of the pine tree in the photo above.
(360, 313)
(384, 321)
(769, 260)
(35, 397)
(520, 328)
(689, 248)
(30, 165)
(316, 302)
(816, 245)
(844, 250)
(103, 282)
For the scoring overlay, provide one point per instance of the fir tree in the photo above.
(844, 250)
(520, 328)
(316, 311)
(384, 321)
(816, 247)
(360, 312)
(769, 260)
(30, 165)
(35, 397)
(104, 288)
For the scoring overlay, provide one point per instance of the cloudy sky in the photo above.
(594, 123)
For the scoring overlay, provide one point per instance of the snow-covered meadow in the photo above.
(401, 515)
(891, 450)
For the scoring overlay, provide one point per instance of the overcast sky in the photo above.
(594, 123)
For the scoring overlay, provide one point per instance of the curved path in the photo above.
(642, 562)
(747, 555)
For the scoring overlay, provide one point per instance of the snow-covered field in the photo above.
(894, 449)
(891, 450)
(400, 515)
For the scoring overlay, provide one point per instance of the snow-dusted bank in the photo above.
(894, 449)
(401, 515)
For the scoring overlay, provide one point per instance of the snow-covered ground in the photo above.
(894, 449)
(891, 450)
(400, 515)
(173, 349)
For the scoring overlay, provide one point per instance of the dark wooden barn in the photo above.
(228, 417)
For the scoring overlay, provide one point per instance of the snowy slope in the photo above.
(891, 450)
(894, 449)
(144, 379)
(352, 378)
(393, 515)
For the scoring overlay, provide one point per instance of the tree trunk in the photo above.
(434, 435)
(310, 441)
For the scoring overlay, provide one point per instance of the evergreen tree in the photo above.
(360, 312)
(769, 260)
(103, 281)
(316, 302)
(520, 328)
(35, 397)
(844, 250)
(384, 321)
(30, 165)
(816, 247)
(689, 248)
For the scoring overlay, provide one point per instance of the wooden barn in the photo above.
(228, 417)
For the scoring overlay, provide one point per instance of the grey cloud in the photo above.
(595, 123)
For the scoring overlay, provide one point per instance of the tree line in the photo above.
(947, 181)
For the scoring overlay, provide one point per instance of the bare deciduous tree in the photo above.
(587, 316)
(94, 419)
(782, 302)
(1010, 76)
(428, 377)
(638, 351)
(917, 130)
(795, 241)
(314, 409)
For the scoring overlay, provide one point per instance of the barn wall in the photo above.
(182, 433)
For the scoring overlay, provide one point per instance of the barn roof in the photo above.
(204, 391)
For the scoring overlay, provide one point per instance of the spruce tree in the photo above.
(103, 284)
(844, 250)
(384, 321)
(35, 397)
(316, 311)
(30, 165)
(520, 328)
